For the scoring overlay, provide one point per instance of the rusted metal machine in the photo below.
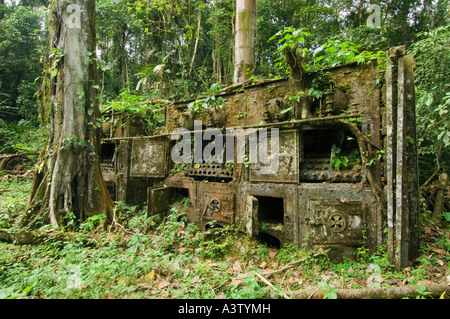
(347, 162)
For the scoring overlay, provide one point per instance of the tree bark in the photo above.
(70, 179)
(439, 202)
(244, 59)
(436, 290)
(197, 37)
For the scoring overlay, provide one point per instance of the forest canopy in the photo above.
(178, 49)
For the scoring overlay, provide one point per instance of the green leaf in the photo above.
(429, 100)
(286, 110)
(329, 291)
(318, 59)
(446, 216)
(446, 139)
(344, 161)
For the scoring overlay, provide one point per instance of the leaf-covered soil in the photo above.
(156, 257)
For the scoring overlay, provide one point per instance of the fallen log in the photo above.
(30, 237)
(13, 162)
(435, 290)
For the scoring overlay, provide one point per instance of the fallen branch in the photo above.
(115, 224)
(365, 150)
(288, 266)
(312, 294)
(155, 101)
(436, 290)
(29, 237)
(269, 273)
(13, 162)
(264, 280)
(430, 179)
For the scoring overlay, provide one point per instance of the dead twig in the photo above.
(271, 286)
(129, 232)
(310, 296)
(288, 266)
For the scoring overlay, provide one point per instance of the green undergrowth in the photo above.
(168, 257)
(14, 195)
(22, 137)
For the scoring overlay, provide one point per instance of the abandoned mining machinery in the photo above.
(346, 162)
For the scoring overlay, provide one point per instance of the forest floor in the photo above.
(155, 257)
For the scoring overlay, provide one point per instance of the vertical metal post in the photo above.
(401, 159)
(390, 155)
(412, 163)
(401, 252)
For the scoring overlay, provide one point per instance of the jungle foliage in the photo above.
(143, 257)
(175, 50)
(178, 49)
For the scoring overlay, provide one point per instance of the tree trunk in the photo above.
(428, 7)
(197, 37)
(439, 202)
(244, 57)
(70, 179)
